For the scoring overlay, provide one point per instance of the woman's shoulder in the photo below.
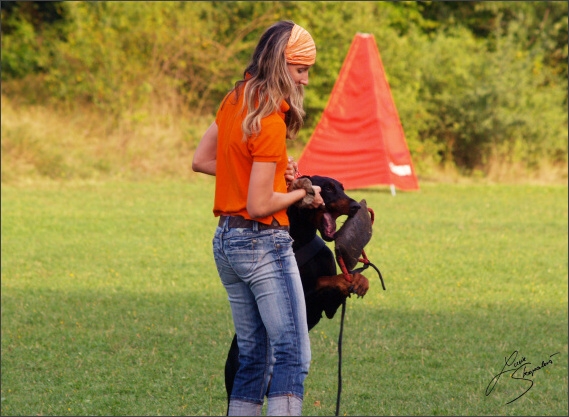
(278, 115)
(273, 124)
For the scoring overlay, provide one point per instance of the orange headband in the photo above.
(300, 49)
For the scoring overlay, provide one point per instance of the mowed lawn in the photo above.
(111, 304)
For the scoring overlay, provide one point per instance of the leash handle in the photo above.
(367, 264)
(344, 269)
(363, 268)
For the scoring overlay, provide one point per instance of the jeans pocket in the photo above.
(282, 239)
(243, 254)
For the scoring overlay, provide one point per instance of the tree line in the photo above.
(473, 82)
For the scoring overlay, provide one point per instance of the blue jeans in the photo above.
(260, 274)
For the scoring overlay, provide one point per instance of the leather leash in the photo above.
(347, 276)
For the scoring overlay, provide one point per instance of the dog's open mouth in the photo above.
(326, 218)
(328, 227)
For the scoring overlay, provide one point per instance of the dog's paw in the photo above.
(360, 284)
(336, 282)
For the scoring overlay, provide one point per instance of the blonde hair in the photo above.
(270, 83)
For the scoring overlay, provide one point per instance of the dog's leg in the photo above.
(359, 284)
(231, 367)
(331, 291)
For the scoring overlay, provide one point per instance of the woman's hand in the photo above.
(291, 171)
(312, 199)
(318, 200)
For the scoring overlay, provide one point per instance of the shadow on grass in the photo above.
(121, 353)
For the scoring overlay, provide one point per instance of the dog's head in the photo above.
(336, 203)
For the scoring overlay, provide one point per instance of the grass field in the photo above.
(111, 304)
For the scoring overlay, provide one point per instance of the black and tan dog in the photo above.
(324, 289)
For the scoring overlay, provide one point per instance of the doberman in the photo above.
(324, 289)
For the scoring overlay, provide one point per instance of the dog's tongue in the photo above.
(329, 225)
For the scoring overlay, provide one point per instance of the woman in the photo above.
(245, 148)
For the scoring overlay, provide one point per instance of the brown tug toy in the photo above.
(350, 241)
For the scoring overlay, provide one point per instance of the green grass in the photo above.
(111, 304)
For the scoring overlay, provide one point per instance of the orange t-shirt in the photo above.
(235, 158)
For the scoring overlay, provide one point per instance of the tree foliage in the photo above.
(472, 80)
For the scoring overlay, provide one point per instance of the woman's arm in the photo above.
(262, 201)
(205, 156)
